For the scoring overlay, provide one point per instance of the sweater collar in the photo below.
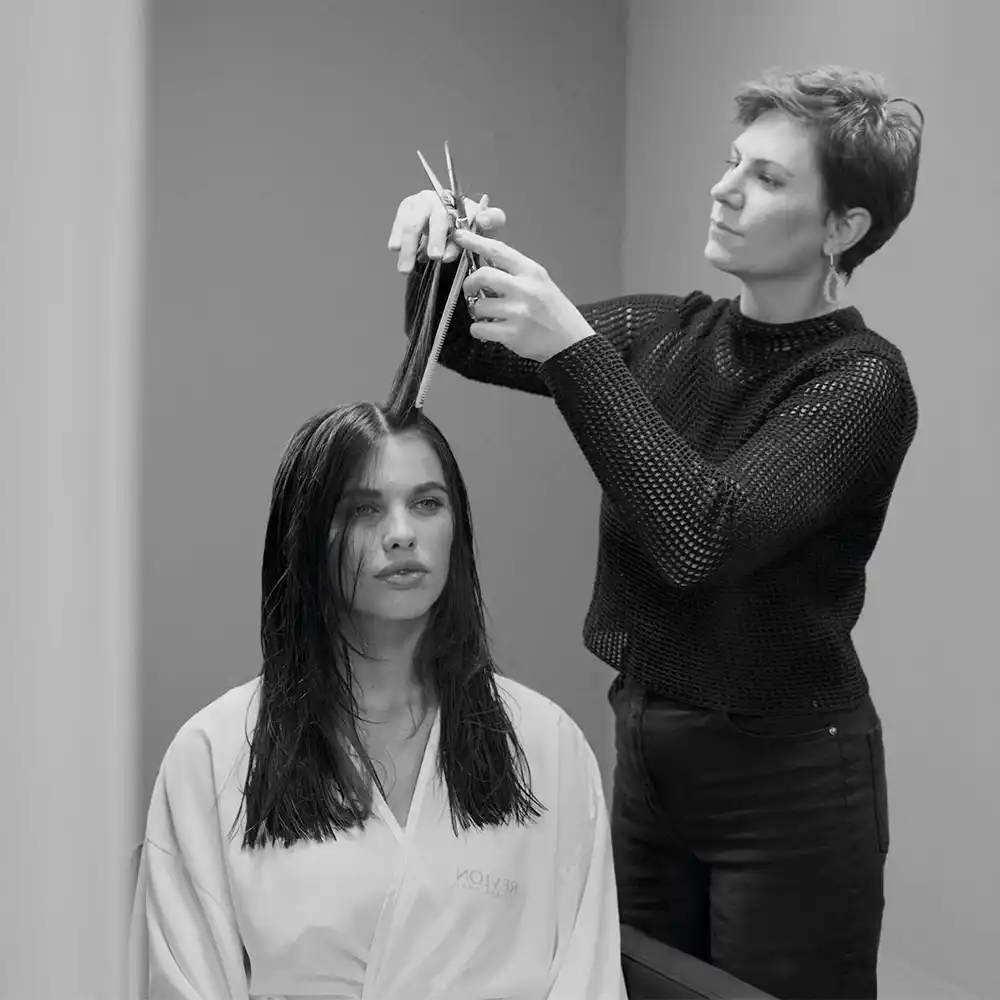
(790, 338)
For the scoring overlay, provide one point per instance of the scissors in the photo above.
(454, 205)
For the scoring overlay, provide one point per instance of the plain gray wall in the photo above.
(281, 138)
(926, 636)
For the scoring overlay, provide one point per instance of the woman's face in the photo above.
(401, 512)
(771, 195)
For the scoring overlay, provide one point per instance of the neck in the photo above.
(779, 300)
(385, 681)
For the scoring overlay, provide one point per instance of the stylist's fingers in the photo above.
(491, 281)
(422, 228)
(485, 217)
(488, 219)
(480, 216)
(418, 215)
(451, 251)
(483, 307)
(503, 256)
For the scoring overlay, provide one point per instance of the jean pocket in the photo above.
(780, 729)
(880, 790)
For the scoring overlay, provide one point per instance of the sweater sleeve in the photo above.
(701, 523)
(621, 322)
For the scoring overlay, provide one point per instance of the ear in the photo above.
(846, 230)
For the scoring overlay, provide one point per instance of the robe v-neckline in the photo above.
(404, 831)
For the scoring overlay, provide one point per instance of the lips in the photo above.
(410, 579)
(721, 225)
(407, 567)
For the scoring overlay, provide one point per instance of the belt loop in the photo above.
(637, 701)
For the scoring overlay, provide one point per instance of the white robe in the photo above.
(412, 913)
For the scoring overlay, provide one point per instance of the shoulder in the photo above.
(215, 737)
(858, 341)
(544, 727)
(699, 307)
(528, 707)
(659, 322)
(643, 310)
(199, 777)
(565, 773)
(860, 378)
(646, 310)
(868, 361)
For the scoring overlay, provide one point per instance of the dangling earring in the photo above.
(839, 284)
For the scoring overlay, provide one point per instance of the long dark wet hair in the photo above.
(301, 782)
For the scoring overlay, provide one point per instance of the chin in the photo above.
(374, 618)
(399, 605)
(718, 257)
(405, 614)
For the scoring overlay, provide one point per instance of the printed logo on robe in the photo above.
(487, 883)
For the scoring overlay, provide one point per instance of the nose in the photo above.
(406, 544)
(399, 533)
(727, 191)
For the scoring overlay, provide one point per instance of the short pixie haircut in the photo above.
(868, 155)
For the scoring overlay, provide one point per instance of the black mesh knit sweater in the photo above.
(746, 471)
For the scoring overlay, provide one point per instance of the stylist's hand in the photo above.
(422, 226)
(529, 314)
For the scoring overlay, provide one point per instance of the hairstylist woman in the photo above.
(747, 449)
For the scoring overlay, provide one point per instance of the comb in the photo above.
(449, 311)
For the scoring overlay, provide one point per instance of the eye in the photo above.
(766, 179)
(435, 504)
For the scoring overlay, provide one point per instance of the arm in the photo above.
(184, 943)
(620, 321)
(588, 962)
(841, 433)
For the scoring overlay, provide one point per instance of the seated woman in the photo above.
(379, 813)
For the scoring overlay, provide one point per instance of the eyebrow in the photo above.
(367, 491)
(760, 160)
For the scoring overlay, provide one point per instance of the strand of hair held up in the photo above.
(446, 315)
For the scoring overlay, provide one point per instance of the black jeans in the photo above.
(755, 844)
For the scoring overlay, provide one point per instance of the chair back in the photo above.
(656, 971)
